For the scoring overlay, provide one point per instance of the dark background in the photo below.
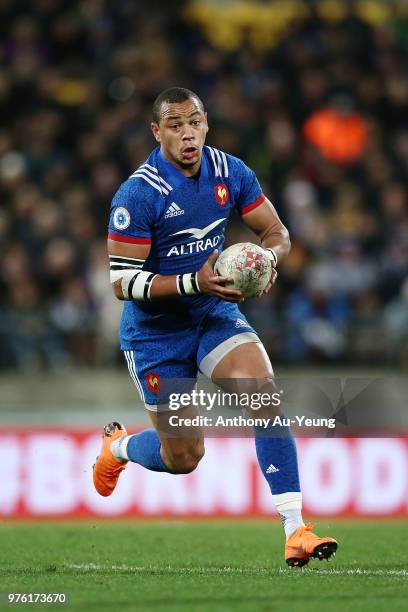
(77, 80)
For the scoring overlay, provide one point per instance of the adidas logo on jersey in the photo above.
(241, 323)
(173, 211)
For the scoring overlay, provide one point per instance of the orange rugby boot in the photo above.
(303, 545)
(107, 468)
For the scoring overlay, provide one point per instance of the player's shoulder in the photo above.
(145, 183)
(224, 164)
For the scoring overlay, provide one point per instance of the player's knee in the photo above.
(250, 386)
(264, 397)
(185, 461)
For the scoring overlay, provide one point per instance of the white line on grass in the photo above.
(94, 567)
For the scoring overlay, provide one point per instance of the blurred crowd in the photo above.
(77, 80)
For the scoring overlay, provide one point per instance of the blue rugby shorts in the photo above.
(179, 355)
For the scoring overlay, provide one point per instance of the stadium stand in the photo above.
(77, 80)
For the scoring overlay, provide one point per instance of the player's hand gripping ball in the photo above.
(248, 265)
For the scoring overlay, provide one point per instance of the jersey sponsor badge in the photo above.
(121, 218)
(153, 382)
(200, 233)
(221, 194)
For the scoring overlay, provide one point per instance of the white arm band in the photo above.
(272, 256)
(135, 282)
(140, 285)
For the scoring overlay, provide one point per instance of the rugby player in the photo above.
(166, 228)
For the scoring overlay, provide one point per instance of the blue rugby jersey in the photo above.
(183, 220)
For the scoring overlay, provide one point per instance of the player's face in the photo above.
(181, 133)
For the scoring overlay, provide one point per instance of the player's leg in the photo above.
(248, 366)
(177, 450)
(155, 451)
(241, 360)
(149, 368)
(181, 453)
(166, 448)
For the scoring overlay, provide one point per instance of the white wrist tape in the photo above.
(272, 256)
(187, 284)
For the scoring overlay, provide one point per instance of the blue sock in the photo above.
(144, 448)
(277, 458)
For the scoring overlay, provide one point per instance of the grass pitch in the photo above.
(203, 566)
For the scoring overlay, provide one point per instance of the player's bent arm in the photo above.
(265, 222)
(126, 262)
(131, 282)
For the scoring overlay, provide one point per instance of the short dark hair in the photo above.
(171, 95)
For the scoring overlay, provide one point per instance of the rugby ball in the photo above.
(248, 265)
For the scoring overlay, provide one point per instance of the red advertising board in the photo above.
(48, 473)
